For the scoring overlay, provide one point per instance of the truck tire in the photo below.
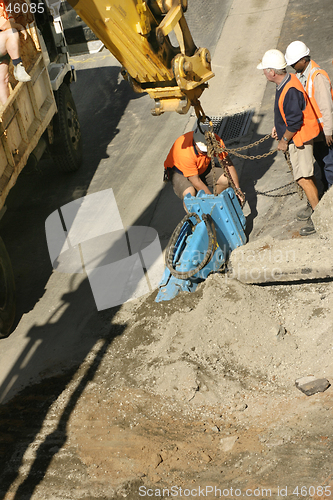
(66, 150)
(7, 292)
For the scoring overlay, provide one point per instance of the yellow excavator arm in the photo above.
(137, 33)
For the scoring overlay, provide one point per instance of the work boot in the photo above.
(308, 229)
(20, 73)
(306, 213)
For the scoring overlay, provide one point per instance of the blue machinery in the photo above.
(202, 241)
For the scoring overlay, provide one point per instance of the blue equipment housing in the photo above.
(202, 242)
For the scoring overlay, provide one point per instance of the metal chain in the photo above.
(234, 151)
(222, 149)
(214, 178)
(266, 193)
(214, 149)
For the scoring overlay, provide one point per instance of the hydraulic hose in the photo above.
(170, 250)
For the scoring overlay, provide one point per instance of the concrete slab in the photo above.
(267, 260)
(322, 216)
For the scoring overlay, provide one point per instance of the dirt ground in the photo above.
(193, 397)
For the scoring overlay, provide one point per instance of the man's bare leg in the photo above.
(192, 192)
(221, 184)
(310, 189)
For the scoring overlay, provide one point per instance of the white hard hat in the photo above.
(272, 59)
(295, 51)
(199, 137)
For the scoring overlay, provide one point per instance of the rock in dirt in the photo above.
(205, 457)
(281, 333)
(227, 443)
(311, 385)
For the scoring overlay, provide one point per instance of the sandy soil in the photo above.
(196, 392)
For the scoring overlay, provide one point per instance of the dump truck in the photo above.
(39, 115)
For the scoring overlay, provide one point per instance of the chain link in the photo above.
(267, 193)
(222, 149)
(215, 149)
(234, 151)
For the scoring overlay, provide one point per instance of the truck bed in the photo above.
(26, 115)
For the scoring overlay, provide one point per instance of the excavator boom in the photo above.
(137, 33)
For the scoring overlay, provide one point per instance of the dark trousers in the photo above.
(324, 157)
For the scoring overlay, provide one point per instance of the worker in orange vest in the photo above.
(317, 85)
(295, 125)
(190, 169)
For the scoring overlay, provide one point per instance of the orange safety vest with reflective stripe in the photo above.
(310, 89)
(310, 127)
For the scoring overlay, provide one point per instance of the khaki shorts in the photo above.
(302, 160)
(180, 182)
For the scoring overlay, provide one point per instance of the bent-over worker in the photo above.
(190, 168)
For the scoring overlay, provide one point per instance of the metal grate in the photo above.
(232, 127)
(216, 121)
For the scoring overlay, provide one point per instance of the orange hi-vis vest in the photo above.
(310, 127)
(183, 156)
(310, 89)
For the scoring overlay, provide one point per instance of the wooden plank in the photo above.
(34, 134)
